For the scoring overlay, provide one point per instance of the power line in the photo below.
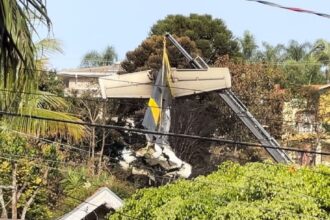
(139, 83)
(294, 9)
(35, 164)
(117, 99)
(125, 81)
(169, 134)
(145, 106)
(49, 141)
(32, 158)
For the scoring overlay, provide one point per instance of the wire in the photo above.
(295, 9)
(35, 164)
(125, 102)
(171, 107)
(170, 134)
(139, 83)
(36, 158)
(49, 141)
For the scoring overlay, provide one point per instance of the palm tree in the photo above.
(20, 62)
(321, 51)
(91, 59)
(44, 104)
(17, 52)
(248, 45)
(94, 58)
(296, 51)
(271, 54)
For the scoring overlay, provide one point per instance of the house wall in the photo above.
(81, 85)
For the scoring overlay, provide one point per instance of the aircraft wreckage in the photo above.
(172, 83)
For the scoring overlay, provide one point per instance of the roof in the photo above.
(103, 196)
(92, 71)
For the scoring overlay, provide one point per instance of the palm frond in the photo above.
(17, 51)
(36, 127)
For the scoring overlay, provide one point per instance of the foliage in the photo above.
(21, 61)
(78, 184)
(148, 55)
(34, 166)
(302, 73)
(302, 63)
(321, 51)
(271, 53)
(93, 58)
(42, 103)
(256, 86)
(17, 49)
(49, 82)
(296, 51)
(248, 46)
(211, 36)
(253, 191)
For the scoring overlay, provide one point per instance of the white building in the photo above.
(80, 80)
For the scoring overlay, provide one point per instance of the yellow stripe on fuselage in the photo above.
(155, 110)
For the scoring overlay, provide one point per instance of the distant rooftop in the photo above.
(92, 71)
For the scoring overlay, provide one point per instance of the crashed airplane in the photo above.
(172, 83)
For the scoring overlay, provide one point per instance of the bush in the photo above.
(252, 191)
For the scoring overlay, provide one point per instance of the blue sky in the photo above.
(83, 25)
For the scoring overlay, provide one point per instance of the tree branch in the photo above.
(19, 193)
(3, 206)
(28, 203)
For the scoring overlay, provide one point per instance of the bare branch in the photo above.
(3, 206)
(28, 203)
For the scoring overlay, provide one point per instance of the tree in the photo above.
(148, 55)
(304, 72)
(300, 66)
(91, 59)
(255, 85)
(321, 51)
(271, 54)
(211, 36)
(20, 59)
(296, 51)
(109, 55)
(17, 56)
(30, 170)
(252, 191)
(94, 58)
(248, 46)
(44, 104)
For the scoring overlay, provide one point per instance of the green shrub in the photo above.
(252, 191)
